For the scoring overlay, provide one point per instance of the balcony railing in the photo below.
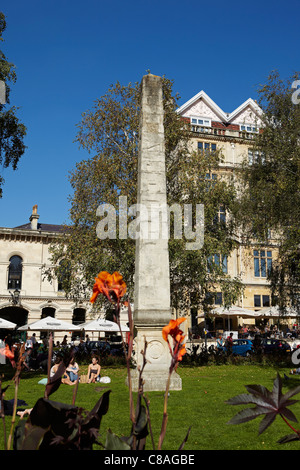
(222, 132)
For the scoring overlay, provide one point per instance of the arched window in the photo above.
(15, 273)
(48, 312)
(64, 274)
(78, 316)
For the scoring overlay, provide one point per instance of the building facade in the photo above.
(25, 294)
(232, 134)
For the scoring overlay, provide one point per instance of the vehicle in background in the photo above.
(241, 347)
(269, 345)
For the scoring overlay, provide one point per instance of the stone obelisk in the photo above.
(152, 278)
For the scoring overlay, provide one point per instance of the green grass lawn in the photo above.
(200, 404)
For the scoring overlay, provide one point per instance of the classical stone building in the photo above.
(25, 294)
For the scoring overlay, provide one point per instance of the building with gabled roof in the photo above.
(232, 133)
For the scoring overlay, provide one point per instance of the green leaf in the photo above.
(113, 442)
(141, 427)
(289, 438)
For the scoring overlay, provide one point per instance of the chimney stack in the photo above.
(34, 218)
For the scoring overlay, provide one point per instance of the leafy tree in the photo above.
(270, 187)
(12, 131)
(110, 133)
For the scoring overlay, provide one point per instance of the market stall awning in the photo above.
(7, 325)
(102, 325)
(49, 324)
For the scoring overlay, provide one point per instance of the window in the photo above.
(48, 312)
(220, 217)
(207, 147)
(199, 124)
(211, 179)
(64, 274)
(78, 316)
(261, 301)
(200, 121)
(218, 298)
(262, 263)
(218, 261)
(248, 128)
(214, 298)
(15, 273)
(255, 157)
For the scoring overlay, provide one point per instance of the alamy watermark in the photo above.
(152, 222)
(296, 93)
(296, 357)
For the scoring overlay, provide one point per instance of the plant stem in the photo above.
(149, 421)
(127, 357)
(165, 415)
(3, 416)
(293, 429)
(14, 413)
(50, 351)
(75, 391)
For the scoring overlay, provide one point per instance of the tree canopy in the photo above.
(269, 209)
(109, 132)
(12, 131)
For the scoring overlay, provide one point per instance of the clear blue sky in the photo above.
(68, 52)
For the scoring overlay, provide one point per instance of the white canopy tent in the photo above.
(7, 325)
(101, 324)
(236, 311)
(274, 312)
(49, 324)
(233, 312)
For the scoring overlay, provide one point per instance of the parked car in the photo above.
(241, 347)
(98, 347)
(270, 345)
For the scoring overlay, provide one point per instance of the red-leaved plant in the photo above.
(59, 426)
(268, 403)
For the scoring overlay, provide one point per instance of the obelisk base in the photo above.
(158, 360)
(155, 381)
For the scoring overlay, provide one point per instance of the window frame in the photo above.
(15, 283)
(206, 122)
(262, 263)
(206, 146)
(249, 128)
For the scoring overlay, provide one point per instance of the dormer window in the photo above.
(196, 121)
(248, 128)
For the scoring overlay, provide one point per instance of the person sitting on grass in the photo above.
(94, 370)
(71, 374)
(65, 378)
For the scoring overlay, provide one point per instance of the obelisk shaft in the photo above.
(152, 278)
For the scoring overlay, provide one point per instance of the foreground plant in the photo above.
(52, 425)
(177, 350)
(268, 403)
(113, 287)
(59, 426)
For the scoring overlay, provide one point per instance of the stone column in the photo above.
(152, 279)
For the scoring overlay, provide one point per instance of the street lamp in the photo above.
(15, 297)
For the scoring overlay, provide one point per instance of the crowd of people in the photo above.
(269, 331)
(36, 357)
